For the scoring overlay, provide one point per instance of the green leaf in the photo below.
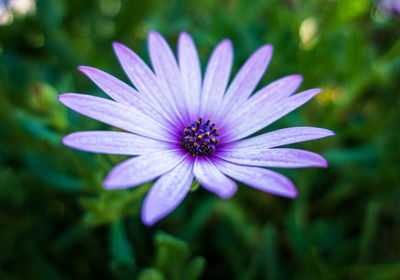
(151, 274)
(172, 254)
(194, 268)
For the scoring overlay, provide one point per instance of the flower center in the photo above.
(200, 138)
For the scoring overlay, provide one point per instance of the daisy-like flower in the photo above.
(180, 126)
(389, 7)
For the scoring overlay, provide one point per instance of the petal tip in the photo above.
(65, 140)
(293, 194)
(331, 133)
(184, 34)
(116, 44)
(227, 195)
(111, 183)
(154, 35)
(318, 90)
(118, 47)
(82, 68)
(148, 217)
(227, 43)
(268, 49)
(86, 69)
(323, 163)
(63, 97)
(147, 221)
(185, 38)
(297, 77)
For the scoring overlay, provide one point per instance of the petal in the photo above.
(281, 137)
(116, 114)
(276, 90)
(216, 77)
(113, 87)
(138, 170)
(278, 157)
(189, 65)
(112, 142)
(121, 92)
(262, 115)
(266, 96)
(259, 178)
(246, 80)
(212, 179)
(167, 193)
(145, 81)
(167, 72)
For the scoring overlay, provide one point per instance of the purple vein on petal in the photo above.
(281, 137)
(189, 65)
(167, 72)
(145, 81)
(264, 114)
(113, 142)
(259, 178)
(138, 170)
(212, 179)
(271, 93)
(116, 114)
(246, 80)
(122, 93)
(216, 77)
(277, 157)
(167, 193)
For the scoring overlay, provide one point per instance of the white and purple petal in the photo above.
(280, 137)
(271, 93)
(113, 87)
(189, 66)
(118, 115)
(167, 72)
(261, 115)
(246, 80)
(277, 157)
(167, 193)
(113, 142)
(123, 93)
(146, 82)
(212, 179)
(216, 78)
(259, 178)
(139, 170)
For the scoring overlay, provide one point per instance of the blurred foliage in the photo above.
(57, 222)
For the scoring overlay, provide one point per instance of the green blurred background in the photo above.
(57, 222)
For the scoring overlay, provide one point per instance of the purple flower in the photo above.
(389, 7)
(180, 126)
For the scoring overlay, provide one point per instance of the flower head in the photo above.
(180, 126)
(389, 7)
